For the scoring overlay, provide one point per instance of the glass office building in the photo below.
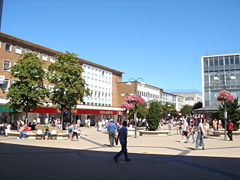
(220, 72)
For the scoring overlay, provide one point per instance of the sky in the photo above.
(160, 41)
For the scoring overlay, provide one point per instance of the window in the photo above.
(28, 50)
(215, 61)
(211, 61)
(18, 49)
(231, 59)
(189, 98)
(37, 53)
(6, 65)
(6, 85)
(8, 47)
(14, 81)
(221, 60)
(44, 57)
(237, 59)
(226, 60)
(205, 62)
(52, 60)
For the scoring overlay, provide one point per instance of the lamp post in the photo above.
(217, 78)
(130, 81)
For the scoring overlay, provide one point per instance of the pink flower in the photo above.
(127, 105)
(135, 99)
(225, 96)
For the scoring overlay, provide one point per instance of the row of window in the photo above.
(96, 80)
(93, 75)
(190, 98)
(100, 94)
(147, 94)
(221, 60)
(96, 104)
(20, 50)
(98, 71)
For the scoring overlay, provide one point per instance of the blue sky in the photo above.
(160, 41)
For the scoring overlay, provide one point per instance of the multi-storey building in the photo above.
(190, 97)
(147, 92)
(220, 72)
(101, 80)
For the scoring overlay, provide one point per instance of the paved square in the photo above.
(152, 157)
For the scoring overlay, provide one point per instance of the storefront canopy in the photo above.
(4, 108)
(208, 109)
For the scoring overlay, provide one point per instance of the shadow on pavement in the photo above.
(30, 162)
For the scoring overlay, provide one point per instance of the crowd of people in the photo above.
(189, 128)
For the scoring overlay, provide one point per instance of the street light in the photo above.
(217, 78)
(130, 81)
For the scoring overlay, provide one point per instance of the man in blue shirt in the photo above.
(122, 136)
(111, 127)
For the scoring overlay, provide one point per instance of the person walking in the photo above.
(122, 136)
(111, 128)
(230, 129)
(199, 139)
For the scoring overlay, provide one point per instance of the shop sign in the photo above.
(106, 112)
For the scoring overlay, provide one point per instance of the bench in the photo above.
(141, 132)
(33, 135)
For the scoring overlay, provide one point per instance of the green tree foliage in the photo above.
(28, 91)
(69, 86)
(168, 109)
(140, 109)
(197, 105)
(154, 115)
(186, 110)
(233, 111)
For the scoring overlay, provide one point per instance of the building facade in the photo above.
(148, 93)
(220, 72)
(190, 98)
(101, 80)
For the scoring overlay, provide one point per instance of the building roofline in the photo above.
(228, 54)
(54, 52)
(125, 82)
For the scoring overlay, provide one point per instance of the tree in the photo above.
(197, 105)
(28, 92)
(154, 115)
(69, 86)
(168, 110)
(140, 109)
(186, 109)
(233, 111)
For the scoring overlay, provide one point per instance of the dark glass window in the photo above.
(211, 61)
(231, 59)
(8, 47)
(226, 60)
(205, 60)
(220, 60)
(6, 65)
(5, 85)
(215, 61)
(237, 59)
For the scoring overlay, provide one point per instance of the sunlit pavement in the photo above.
(152, 157)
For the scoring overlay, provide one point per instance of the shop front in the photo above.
(91, 113)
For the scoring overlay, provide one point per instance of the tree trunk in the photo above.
(26, 117)
(70, 113)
